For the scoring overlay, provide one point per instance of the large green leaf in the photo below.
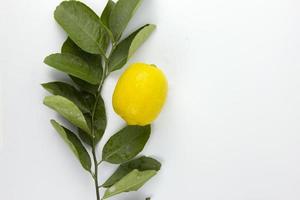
(141, 164)
(120, 16)
(75, 145)
(73, 65)
(68, 110)
(82, 25)
(126, 48)
(68, 91)
(99, 124)
(131, 182)
(126, 144)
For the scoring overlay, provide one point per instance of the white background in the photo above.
(230, 129)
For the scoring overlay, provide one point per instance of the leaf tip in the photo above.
(154, 26)
(53, 122)
(46, 60)
(45, 100)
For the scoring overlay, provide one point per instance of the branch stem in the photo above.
(96, 162)
(96, 173)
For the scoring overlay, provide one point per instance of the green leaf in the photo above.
(141, 164)
(104, 19)
(75, 145)
(99, 124)
(106, 12)
(120, 16)
(69, 92)
(131, 182)
(100, 120)
(92, 59)
(68, 110)
(126, 144)
(85, 86)
(73, 65)
(85, 137)
(82, 25)
(126, 48)
(89, 100)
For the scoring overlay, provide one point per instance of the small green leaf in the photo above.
(75, 66)
(131, 182)
(68, 110)
(100, 120)
(99, 124)
(120, 16)
(126, 48)
(75, 145)
(82, 26)
(126, 144)
(141, 164)
(104, 19)
(106, 12)
(69, 92)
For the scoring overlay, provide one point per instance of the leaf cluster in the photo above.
(96, 47)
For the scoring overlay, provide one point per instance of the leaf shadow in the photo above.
(133, 196)
(58, 76)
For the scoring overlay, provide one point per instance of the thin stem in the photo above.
(96, 163)
(96, 173)
(99, 162)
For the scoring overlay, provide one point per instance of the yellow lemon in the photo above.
(140, 94)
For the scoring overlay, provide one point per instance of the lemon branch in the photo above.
(85, 55)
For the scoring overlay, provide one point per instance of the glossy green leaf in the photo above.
(126, 48)
(131, 182)
(73, 65)
(99, 124)
(126, 144)
(69, 92)
(106, 12)
(75, 145)
(120, 16)
(141, 164)
(82, 25)
(68, 110)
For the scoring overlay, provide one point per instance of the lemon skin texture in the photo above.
(140, 94)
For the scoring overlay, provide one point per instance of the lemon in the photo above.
(140, 94)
